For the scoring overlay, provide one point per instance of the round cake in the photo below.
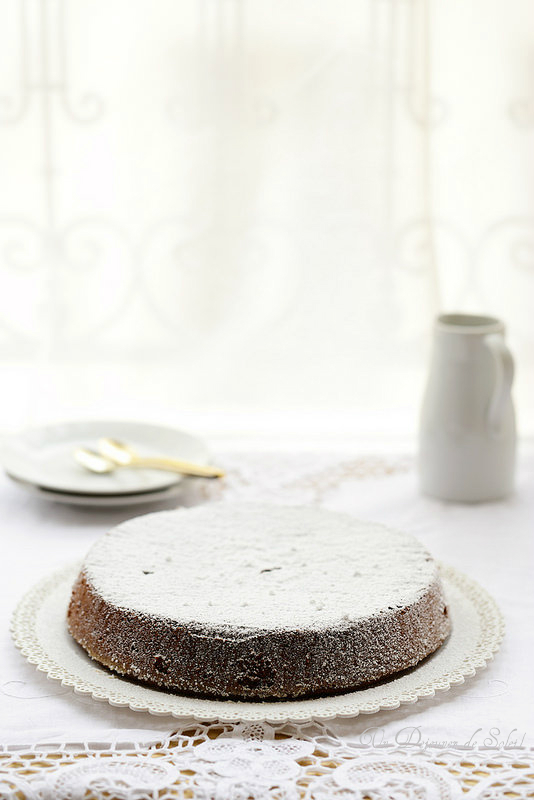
(257, 601)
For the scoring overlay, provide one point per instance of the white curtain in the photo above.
(240, 206)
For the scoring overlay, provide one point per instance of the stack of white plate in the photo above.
(41, 460)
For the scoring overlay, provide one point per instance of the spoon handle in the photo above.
(175, 465)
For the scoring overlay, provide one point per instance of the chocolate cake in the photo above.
(257, 601)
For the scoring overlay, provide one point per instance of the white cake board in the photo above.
(39, 629)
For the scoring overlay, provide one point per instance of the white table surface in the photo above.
(494, 543)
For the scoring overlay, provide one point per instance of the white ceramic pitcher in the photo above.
(467, 434)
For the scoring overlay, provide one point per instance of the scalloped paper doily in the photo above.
(39, 629)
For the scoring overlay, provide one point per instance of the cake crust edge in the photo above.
(263, 665)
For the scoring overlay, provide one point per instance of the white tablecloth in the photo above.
(494, 543)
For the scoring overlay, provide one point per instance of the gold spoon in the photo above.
(125, 456)
(93, 461)
(114, 454)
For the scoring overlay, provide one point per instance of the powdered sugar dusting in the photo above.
(252, 566)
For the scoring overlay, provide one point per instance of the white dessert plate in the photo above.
(39, 629)
(101, 501)
(44, 457)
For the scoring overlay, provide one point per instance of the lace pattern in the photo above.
(295, 478)
(259, 761)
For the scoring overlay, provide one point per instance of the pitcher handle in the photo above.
(504, 377)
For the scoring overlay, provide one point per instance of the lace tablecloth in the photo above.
(56, 744)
